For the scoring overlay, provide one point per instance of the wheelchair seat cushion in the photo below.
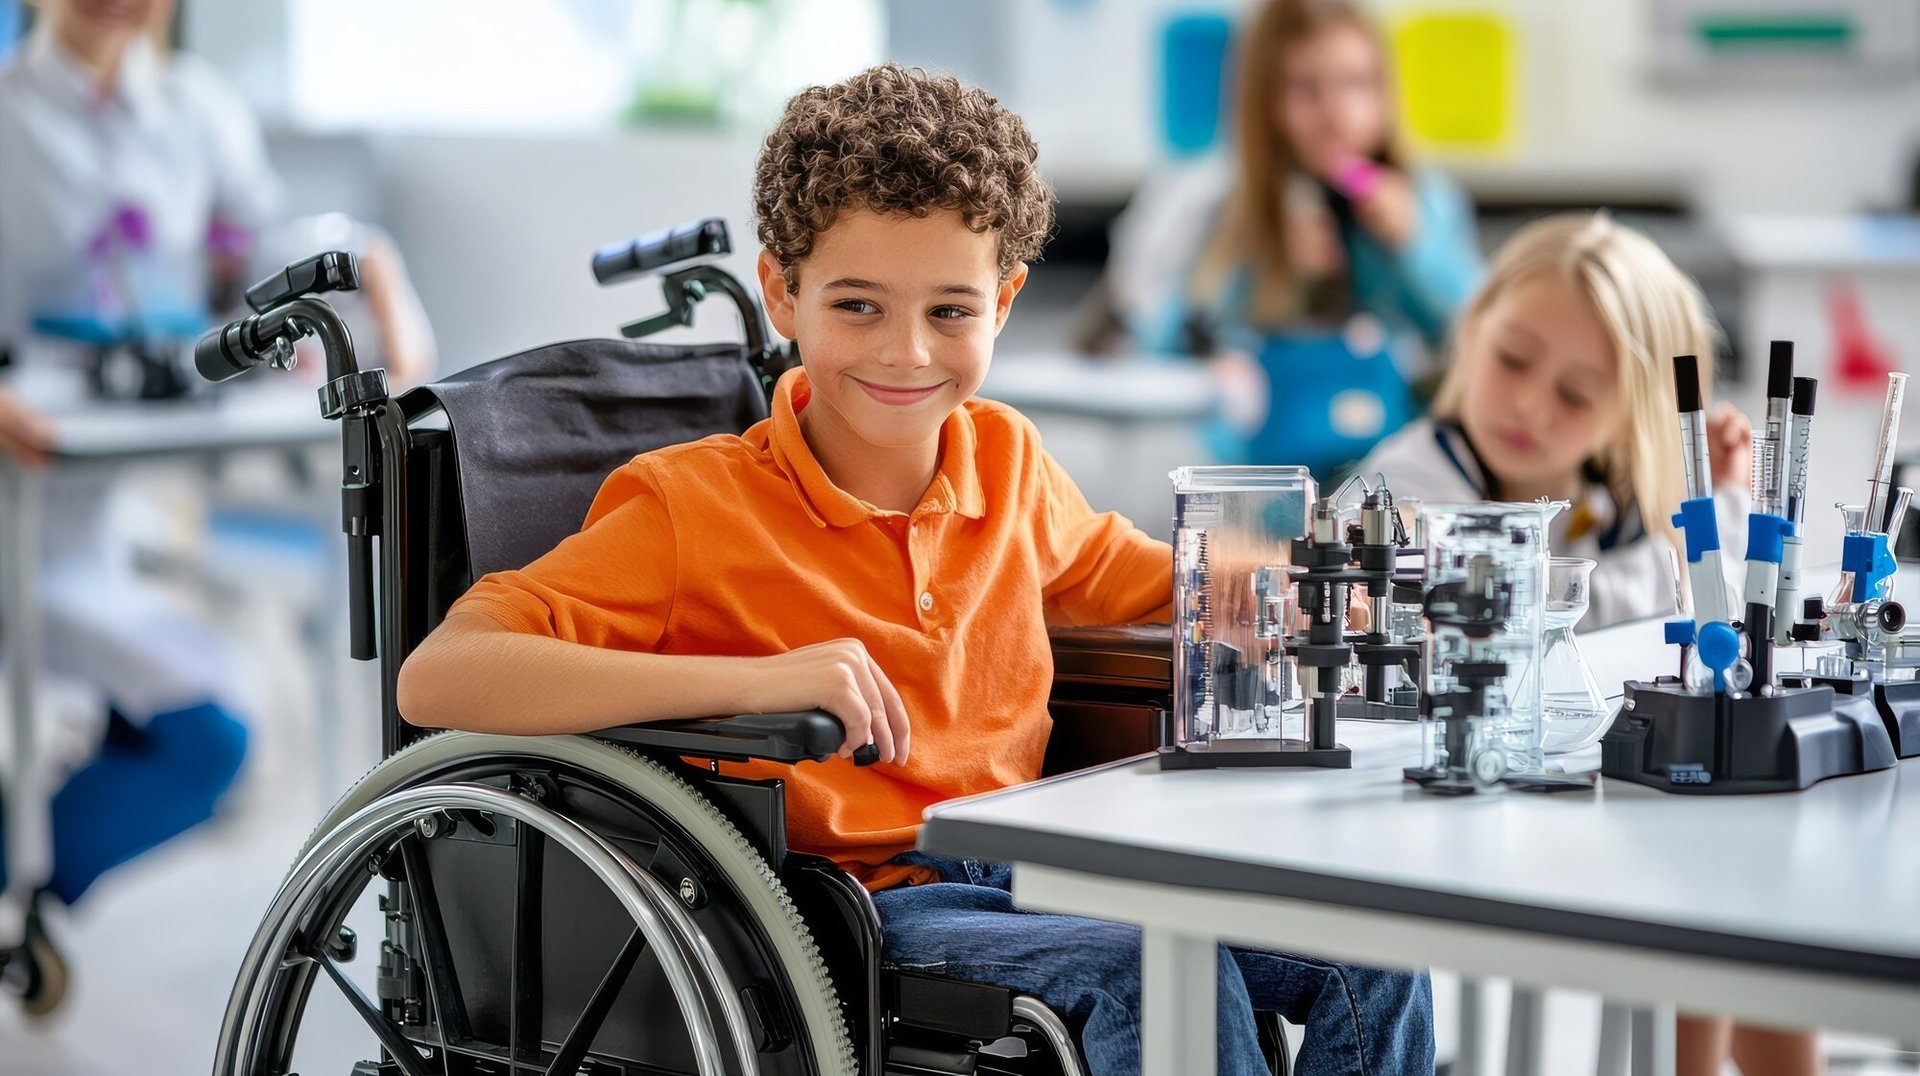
(536, 433)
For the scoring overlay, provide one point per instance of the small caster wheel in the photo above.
(1488, 766)
(44, 985)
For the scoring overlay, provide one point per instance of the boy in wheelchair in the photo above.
(889, 549)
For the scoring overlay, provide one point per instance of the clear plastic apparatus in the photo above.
(1236, 695)
(1486, 599)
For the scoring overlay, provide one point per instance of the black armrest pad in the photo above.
(810, 735)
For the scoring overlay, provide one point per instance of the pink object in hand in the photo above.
(1356, 177)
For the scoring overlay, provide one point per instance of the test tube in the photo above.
(1799, 447)
(1705, 577)
(1880, 489)
(1770, 448)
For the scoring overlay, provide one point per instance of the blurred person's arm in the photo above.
(26, 435)
(406, 337)
(1153, 246)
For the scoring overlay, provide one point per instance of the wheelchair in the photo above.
(601, 904)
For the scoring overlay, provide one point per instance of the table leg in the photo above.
(1654, 1041)
(1526, 1030)
(1178, 982)
(1616, 1039)
(1468, 1059)
(29, 845)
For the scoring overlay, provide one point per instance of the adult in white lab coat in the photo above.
(130, 184)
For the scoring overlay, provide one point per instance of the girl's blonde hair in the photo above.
(1251, 234)
(1651, 311)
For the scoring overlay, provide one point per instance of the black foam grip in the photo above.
(866, 756)
(1803, 394)
(1686, 382)
(1780, 370)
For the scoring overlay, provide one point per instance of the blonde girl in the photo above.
(1562, 387)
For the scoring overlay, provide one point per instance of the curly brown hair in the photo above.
(895, 139)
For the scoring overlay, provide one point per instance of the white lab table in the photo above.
(1796, 909)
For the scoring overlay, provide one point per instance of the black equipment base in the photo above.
(1225, 753)
(1677, 741)
(1898, 703)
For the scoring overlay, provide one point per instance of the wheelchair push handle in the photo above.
(688, 285)
(286, 309)
(657, 250)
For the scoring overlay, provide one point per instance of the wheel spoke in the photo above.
(398, 1046)
(581, 1036)
(430, 936)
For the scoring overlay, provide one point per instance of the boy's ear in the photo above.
(1003, 302)
(775, 293)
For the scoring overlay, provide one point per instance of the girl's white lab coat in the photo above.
(1634, 577)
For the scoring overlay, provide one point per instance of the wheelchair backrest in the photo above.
(528, 440)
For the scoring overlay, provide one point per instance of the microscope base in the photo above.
(1670, 739)
(1225, 753)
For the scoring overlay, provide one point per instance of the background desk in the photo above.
(1795, 909)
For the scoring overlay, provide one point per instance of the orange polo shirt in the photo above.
(742, 546)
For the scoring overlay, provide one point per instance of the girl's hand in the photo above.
(25, 434)
(1389, 209)
(840, 677)
(1729, 446)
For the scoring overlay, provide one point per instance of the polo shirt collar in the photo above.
(955, 486)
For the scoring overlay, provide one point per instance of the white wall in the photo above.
(1085, 74)
(1590, 105)
(498, 232)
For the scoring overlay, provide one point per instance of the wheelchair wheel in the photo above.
(503, 955)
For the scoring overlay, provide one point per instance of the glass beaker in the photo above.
(1573, 711)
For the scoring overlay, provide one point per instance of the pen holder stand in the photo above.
(1897, 702)
(1730, 743)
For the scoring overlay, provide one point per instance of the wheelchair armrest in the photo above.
(809, 735)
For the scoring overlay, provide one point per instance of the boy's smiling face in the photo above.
(896, 317)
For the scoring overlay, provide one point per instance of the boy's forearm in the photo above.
(475, 674)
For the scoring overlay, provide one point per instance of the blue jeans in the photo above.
(1359, 1022)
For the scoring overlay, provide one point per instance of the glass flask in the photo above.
(1234, 683)
(1573, 710)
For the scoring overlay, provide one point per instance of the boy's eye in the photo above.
(951, 312)
(856, 306)
(1509, 361)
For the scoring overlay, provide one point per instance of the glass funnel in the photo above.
(1573, 711)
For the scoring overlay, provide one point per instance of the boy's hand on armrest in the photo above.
(840, 677)
(477, 674)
